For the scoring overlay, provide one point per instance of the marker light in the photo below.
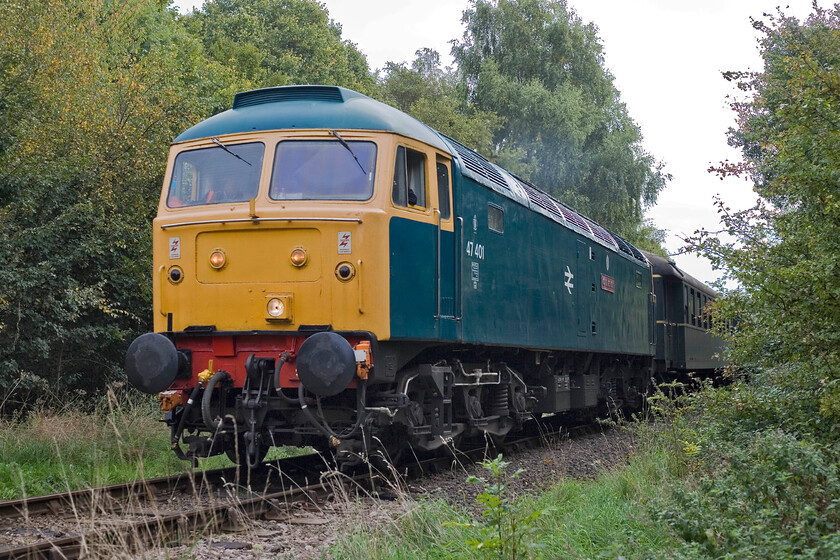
(176, 274)
(299, 257)
(217, 259)
(275, 308)
(345, 271)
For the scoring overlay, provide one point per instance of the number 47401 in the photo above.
(475, 250)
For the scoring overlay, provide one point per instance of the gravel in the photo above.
(304, 531)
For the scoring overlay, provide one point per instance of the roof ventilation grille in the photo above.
(288, 93)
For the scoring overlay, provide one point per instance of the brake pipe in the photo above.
(211, 423)
(176, 435)
(284, 357)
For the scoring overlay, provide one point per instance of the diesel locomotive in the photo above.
(329, 271)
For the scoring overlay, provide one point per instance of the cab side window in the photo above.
(409, 178)
(443, 190)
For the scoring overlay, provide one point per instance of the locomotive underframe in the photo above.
(439, 394)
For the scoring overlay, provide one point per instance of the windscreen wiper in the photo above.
(348, 148)
(225, 148)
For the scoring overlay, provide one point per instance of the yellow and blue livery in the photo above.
(329, 271)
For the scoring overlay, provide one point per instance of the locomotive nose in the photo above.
(151, 363)
(326, 364)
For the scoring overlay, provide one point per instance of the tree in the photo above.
(280, 42)
(784, 253)
(434, 96)
(535, 64)
(91, 94)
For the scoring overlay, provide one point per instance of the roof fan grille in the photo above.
(289, 93)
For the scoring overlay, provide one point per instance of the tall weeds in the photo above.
(46, 451)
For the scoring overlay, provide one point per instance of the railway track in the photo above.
(139, 515)
(135, 514)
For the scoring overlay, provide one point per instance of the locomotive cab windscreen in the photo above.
(302, 170)
(323, 170)
(214, 175)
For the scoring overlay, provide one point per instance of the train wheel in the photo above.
(239, 453)
(388, 449)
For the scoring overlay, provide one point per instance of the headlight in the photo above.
(275, 308)
(278, 307)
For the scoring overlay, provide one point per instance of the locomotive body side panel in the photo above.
(538, 284)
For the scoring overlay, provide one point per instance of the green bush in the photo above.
(763, 480)
(776, 497)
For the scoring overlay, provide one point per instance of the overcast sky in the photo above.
(667, 57)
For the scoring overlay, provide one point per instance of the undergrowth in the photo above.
(764, 479)
(604, 518)
(749, 470)
(120, 439)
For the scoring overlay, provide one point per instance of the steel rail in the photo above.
(160, 529)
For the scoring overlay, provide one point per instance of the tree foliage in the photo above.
(280, 42)
(435, 96)
(783, 252)
(539, 67)
(91, 93)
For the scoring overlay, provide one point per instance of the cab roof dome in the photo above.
(311, 107)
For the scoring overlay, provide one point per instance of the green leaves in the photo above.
(434, 96)
(539, 67)
(92, 94)
(783, 252)
(509, 532)
(280, 42)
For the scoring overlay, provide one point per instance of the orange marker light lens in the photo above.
(217, 259)
(298, 257)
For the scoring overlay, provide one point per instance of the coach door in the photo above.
(582, 295)
(445, 252)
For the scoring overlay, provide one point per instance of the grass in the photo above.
(747, 470)
(121, 440)
(605, 518)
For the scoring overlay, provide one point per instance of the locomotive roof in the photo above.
(332, 107)
(285, 107)
(666, 267)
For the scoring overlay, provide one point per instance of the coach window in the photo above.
(693, 309)
(443, 191)
(410, 178)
